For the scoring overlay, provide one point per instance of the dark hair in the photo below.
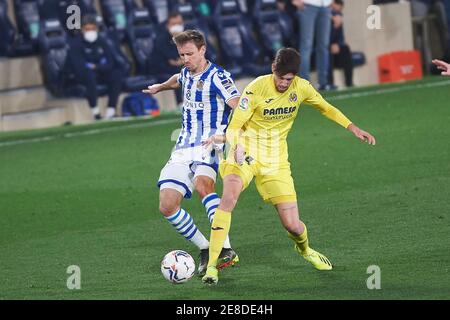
(339, 2)
(194, 36)
(89, 19)
(287, 60)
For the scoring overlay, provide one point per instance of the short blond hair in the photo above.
(194, 36)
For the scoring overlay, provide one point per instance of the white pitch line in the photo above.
(161, 122)
(388, 90)
(87, 132)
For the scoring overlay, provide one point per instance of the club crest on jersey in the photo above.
(293, 97)
(188, 94)
(243, 105)
(200, 85)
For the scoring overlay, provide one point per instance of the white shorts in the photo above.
(184, 166)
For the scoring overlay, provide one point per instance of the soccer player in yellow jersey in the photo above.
(257, 134)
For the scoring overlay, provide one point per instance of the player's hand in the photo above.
(239, 154)
(362, 135)
(214, 139)
(441, 65)
(153, 89)
(214, 142)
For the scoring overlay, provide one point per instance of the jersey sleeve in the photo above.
(316, 100)
(244, 111)
(225, 85)
(181, 76)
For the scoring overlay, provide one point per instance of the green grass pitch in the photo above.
(87, 196)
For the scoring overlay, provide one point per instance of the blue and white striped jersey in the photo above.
(205, 111)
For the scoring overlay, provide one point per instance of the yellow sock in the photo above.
(301, 240)
(219, 231)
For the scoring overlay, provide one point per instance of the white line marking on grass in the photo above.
(88, 132)
(388, 90)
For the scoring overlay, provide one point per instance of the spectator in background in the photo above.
(314, 18)
(341, 55)
(447, 16)
(164, 60)
(91, 61)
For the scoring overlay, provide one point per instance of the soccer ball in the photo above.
(178, 266)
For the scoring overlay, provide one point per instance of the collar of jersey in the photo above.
(274, 89)
(200, 73)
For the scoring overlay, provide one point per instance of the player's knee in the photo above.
(167, 208)
(204, 187)
(228, 202)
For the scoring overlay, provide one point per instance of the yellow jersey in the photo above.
(266, 115)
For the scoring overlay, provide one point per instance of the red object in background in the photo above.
(400, 66)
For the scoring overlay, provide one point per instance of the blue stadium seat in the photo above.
(7, 32)
(240, 51)
(131, 83)
(130, 5)
(113, 42)
(141, 37)
(28, 22)
(191, 21)
(115, 15)
(57, 9)
(273, 29)
(53, 44)
(159, 9)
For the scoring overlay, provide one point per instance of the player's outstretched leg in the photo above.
(211, 276)
(318, 260)
(228, 257)
(203, 262)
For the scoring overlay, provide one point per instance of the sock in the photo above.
(211, 202)
(95, 110)
(301, 240)
(110, 112)
(184, 225)
(219, 231)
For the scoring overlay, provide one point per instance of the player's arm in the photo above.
(170, 84)
(226, 89)
(241, 115)
(219, 139)
(233, 102)
(333, 113)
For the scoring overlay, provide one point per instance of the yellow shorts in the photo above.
(274, 184)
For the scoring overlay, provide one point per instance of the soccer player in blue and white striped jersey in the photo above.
(209, 95)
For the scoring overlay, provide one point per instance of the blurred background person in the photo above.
(340, 54)
(91, 61)
(165, 60)
(314, 18)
